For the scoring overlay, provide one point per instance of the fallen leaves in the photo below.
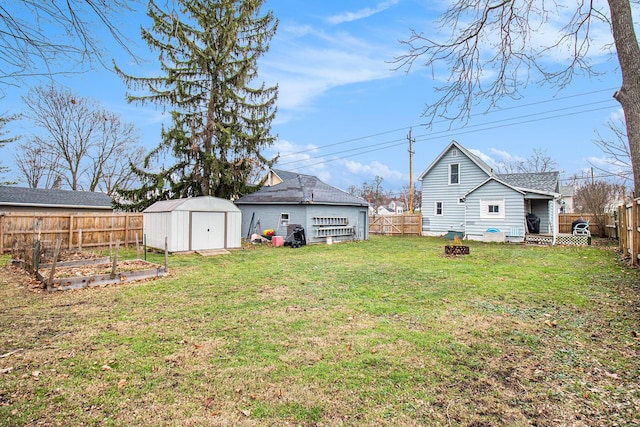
(207, 402)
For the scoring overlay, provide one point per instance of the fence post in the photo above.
(166, 254)
(115, 261)
(137, 247)
(634, 233)
(70, 232)
(126, 230)
(2, 224)
(52, 274)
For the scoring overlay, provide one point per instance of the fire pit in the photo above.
(457, 248)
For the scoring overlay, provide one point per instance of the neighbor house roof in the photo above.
(302, 189)
(538, 181)
(567, 190)
(285, 175)
(37, 197)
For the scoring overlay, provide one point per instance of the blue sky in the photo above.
(344, 113)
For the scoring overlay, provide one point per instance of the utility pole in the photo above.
(411, 152)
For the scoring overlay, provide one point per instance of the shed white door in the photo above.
(207, 230)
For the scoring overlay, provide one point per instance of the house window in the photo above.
(454, 152)
(454, 173)
(438, 210)
(493, 209)
(284, 219)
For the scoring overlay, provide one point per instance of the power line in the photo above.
(450, 133)
(501, 110)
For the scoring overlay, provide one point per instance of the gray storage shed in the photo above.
(192, 224)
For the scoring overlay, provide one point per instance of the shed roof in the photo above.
(39, 197)
(199, 204)
(303, 189)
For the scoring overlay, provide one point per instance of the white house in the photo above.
(461, 193)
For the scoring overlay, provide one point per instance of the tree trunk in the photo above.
(629, 94)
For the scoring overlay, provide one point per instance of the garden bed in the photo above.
(78, 275)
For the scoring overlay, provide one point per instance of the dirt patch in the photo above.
(93, 270)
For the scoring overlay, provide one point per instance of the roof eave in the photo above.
(48, 205)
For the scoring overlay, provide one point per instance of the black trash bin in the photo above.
(533, 223)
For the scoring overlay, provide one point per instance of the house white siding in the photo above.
(494, 193)
(436, 188)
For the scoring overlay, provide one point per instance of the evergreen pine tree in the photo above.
(219, 122)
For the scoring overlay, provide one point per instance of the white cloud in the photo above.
(306, 62)
(368, 171)
(299, 158)
(305, 71)
(335, 171)
(361, 14)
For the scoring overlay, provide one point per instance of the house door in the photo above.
(207, 230)
(364, 225)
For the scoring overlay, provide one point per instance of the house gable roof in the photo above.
(475, 159)
(546, 182)
(38, 197)
(493, 178)
(303, 189)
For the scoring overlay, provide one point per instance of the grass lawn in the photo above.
(383, 332)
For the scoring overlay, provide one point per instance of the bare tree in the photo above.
(113, 148)
(616, 151)
(538, 161)
(416, 194)
(597, 199)
(33, 163)
(373, 193)
(490, 52)
(69, 124)
(83, 147)
(56, 36)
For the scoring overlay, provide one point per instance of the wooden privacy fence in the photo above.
(74, 230)
(566, 219)
(628, 225)
(396, 225)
